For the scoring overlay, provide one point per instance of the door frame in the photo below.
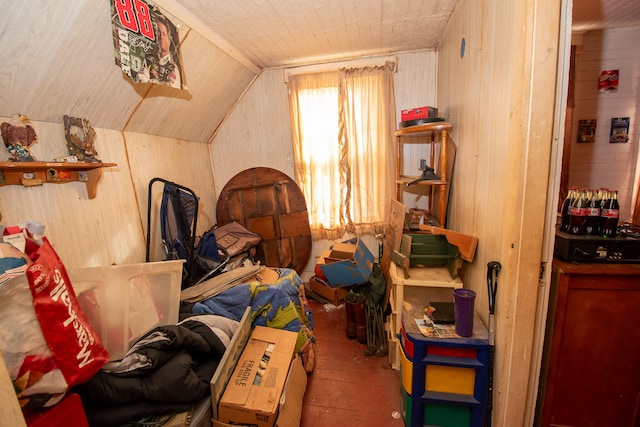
(555, 171)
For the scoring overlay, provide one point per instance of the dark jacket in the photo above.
(167, 370)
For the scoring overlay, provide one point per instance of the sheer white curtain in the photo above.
(342, 127)
(369, 122)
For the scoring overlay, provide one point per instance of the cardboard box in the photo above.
(348, 264)
(253, 393)
(334, 295)
(229, 360)
(290, 405)
(320, 261)
(419, 113)
(290, 408)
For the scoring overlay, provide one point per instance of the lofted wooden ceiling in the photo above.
(281, 33)
(285, 33)
(57, 57)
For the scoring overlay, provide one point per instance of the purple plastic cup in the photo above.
(463, 304)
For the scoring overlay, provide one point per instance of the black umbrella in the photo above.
(493, 269)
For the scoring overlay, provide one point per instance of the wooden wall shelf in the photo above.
(31, 174)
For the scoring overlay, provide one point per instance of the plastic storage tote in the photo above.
(123, 302)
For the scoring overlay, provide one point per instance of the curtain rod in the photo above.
(335, 66)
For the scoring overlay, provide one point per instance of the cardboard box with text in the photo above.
(253, 393)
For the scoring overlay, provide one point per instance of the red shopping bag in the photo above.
(72, 340)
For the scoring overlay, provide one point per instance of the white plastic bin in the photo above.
(123, 302)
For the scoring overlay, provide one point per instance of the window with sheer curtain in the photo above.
(342, 127)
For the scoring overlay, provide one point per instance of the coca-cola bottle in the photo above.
(578, 214)
(593, 213)
(604, 199)
(565, 210)
(611, 215)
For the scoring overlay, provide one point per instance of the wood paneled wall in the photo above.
(110, 228)
(59, 60)
(415, 86)
(602, 164)
(500, 98)
(214, 82)
(183, 162)
(258, 132)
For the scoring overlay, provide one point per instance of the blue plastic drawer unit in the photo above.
(443, 380)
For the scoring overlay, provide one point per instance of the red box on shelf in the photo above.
(419, 113)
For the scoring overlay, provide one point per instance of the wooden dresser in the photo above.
(591, 364)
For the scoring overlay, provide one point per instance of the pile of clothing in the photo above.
(167, 370)
(277, 301)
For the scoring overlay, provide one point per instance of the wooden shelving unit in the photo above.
(433, 132)
(440, 284)
(31, 174)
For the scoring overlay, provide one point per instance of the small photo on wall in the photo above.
(619, 130)
(587, 130)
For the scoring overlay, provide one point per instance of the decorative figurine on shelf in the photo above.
(80, 140)
(19, 135)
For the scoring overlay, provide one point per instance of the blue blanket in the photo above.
(278, 305)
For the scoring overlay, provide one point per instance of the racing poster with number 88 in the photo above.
(145, 42)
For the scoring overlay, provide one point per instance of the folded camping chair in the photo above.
(178, 221)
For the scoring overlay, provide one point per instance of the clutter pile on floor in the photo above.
(166, 370)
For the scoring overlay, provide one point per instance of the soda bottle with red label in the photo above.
(610, 216)
(593, 213)
(578, 215)
(604, 199)
(565, 210)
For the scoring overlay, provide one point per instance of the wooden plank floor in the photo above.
(346, 387)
